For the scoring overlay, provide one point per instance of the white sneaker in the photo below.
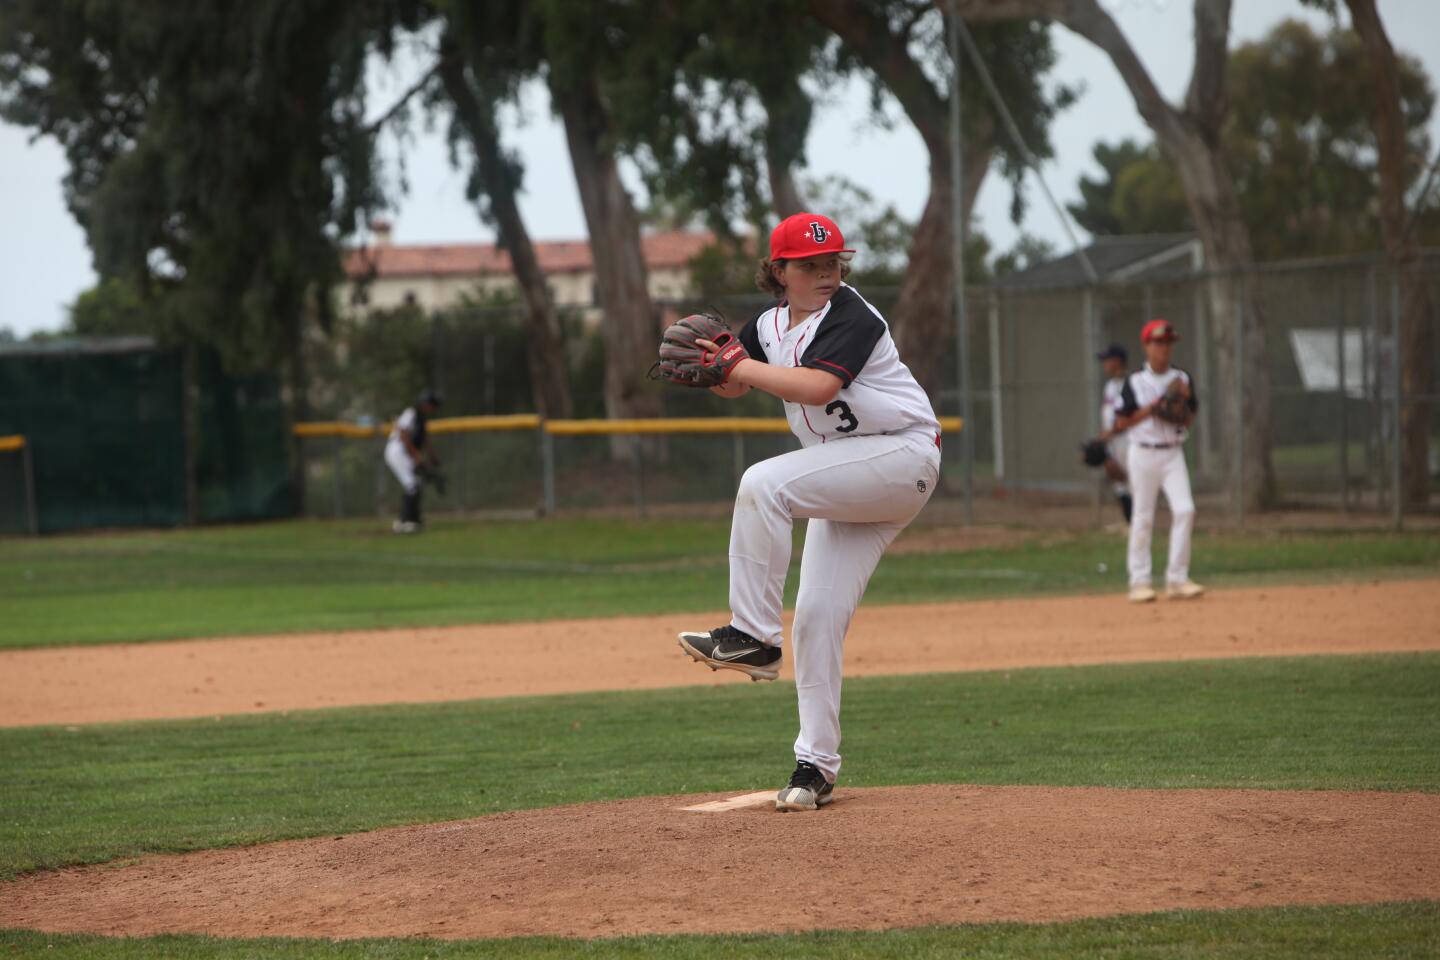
(1141, 594)
(1188, 590)
(405, 526)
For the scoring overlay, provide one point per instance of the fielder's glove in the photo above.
(1174, 406)
(684, 361)
(1094, 452)
(429, 472)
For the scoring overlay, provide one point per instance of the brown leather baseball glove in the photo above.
(684, 361)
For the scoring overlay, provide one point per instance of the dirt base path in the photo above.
(875, 859)
(301, 671)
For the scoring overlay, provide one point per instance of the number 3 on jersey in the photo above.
(848, 423)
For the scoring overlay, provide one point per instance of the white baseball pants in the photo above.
(1119, 450)
(1152, 471)
(397, 458)
(858, 494)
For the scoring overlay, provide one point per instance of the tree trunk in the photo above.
(1191, 138)
(1403, 251)
(925, 310)
(629, 320)
(787, 121)
(923, 315)
(545, 341)
(784, 193)
(1242, 370)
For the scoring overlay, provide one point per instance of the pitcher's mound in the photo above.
(876, 858)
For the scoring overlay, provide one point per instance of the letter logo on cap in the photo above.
(817, 232)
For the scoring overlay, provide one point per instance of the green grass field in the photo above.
(95, 793)
(108, 792)
(296, 576)
(1397, 931)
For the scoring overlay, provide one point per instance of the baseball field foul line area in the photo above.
(308, 671)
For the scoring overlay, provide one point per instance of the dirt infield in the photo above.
(301, 671)
(875, 859)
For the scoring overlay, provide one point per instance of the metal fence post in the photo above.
(460, 474)
(1206, 447)
(29, 464)
(737, 448)
(1092, 389)
(1341, 388)
(639, 451)
(380, 481)
(547, 471)
(1397, 478)
(997, 407)
(1239, 481)
(339, 491)
(1375, 392)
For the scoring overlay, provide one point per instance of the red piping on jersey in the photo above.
(795, 355)
(848, 374)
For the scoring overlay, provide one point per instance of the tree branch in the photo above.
(1089, 19)
(374, 127)
(1205, 102)
(869, 36)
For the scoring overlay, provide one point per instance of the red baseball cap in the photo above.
(1159, 331)
(806, 235)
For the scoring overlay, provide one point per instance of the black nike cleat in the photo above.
(728, 648)
(808, 789)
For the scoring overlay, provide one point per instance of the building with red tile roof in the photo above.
(437, 276)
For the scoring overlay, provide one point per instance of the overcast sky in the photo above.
(44, 262)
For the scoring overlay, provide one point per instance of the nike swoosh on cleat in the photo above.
(718, 655)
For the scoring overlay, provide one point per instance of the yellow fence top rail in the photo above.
(513, 421)
(11, 444)
(572, 428)
(334, 428)
(669, 425)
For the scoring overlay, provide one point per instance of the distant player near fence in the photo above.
(1156, 407)
(1114, 359)
(410, 455)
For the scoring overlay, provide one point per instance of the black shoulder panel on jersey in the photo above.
(1128, 405)
(846, 338)
(749, 334)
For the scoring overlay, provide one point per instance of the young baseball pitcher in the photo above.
(869, 461)
(1157, 405)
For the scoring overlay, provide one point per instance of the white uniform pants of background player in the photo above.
(1153, 470)
(400, 464)
(1119, 450)
(858, 494)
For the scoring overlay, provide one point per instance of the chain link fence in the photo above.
(1329, 334)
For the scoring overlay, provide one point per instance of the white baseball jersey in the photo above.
(848, 338)
(396, 456)
(1144, 387)
(1110, 402)
(408, 422)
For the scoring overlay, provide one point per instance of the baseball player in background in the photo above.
(1156, 407)
(1114, 360)
(869, 462)
(408, 453)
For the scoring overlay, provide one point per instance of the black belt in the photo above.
(1159, 446)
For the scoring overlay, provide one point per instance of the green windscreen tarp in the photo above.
(105, 421)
